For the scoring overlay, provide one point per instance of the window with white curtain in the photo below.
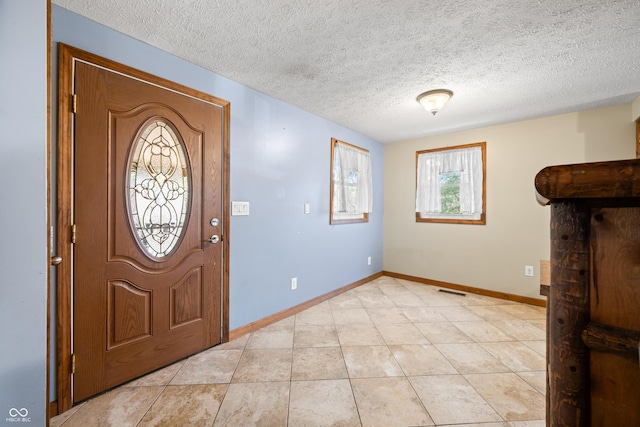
(351, 183)
(451, 184)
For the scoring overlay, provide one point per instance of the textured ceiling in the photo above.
(362, 63)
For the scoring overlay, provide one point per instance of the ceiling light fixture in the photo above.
(434, 100)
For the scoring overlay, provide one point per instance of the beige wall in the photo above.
(493, 256)
(635, 114)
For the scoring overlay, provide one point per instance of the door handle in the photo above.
(55, 260)
(214, 239)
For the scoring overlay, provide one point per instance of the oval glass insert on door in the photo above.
(159, 186)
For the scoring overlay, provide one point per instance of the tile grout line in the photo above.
(293, 346)
(405, 376)
(164, 387)
(231, 378)
(386, 290)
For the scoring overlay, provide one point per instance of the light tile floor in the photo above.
(388, 353)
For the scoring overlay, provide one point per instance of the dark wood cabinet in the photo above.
(593, 305)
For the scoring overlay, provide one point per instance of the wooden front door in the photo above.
(147, 199)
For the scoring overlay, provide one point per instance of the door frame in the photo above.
(67, 56)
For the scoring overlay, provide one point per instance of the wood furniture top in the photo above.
(618, 180)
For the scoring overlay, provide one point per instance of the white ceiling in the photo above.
(361, 63)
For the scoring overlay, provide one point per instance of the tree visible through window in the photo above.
(450, 184)
(450, 193)
(351, 189)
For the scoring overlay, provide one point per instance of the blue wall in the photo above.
(24, 254)
(280, 160)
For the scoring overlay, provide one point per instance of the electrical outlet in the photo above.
(294, 283)
(368, 260)
(528, 270)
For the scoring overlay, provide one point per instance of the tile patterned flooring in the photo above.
(388, 353)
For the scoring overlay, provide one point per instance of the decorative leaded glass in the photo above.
(158, 189)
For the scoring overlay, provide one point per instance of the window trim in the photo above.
(453, 219)
(332, 219)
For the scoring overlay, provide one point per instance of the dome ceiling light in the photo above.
(434, 100)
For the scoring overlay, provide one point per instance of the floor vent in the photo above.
(462, 294)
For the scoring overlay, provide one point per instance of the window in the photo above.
(351, 188)
(451, 184)
(158, 189)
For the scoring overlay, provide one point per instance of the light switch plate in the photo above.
(239, 208)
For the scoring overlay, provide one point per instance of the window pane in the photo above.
(351, 194)
(450, 193)
(158, 189)
(451, 184)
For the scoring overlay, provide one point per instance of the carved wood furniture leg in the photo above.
(548, 373)
(569, 402)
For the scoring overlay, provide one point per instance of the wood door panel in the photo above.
(138, 274)
(615, 390)
(123, 242)
(615, 288)
(135, 311)
(128, 313)
(187, 299)
(122, 364)
(614, 301)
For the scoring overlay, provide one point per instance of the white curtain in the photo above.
(352, 161)
(466, 161)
